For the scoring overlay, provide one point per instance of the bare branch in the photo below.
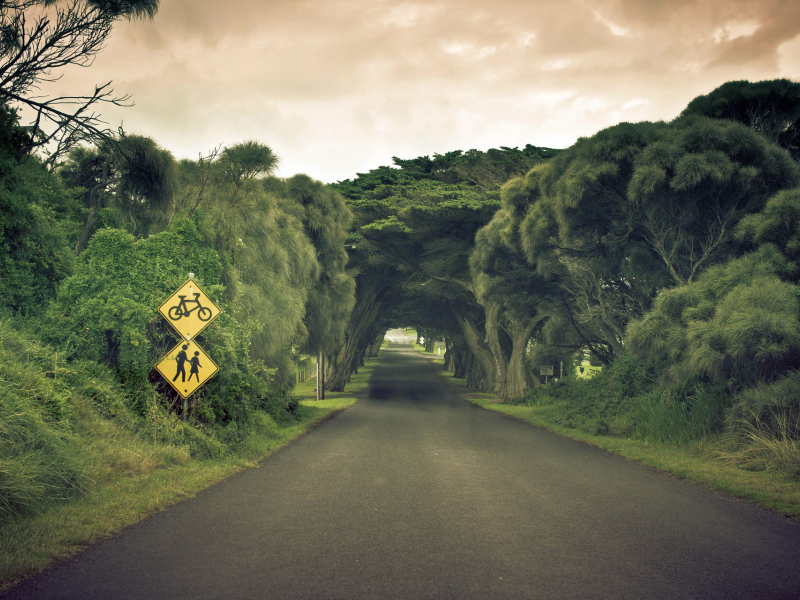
(38, 39)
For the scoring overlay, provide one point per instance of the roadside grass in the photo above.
(437, 356)
(707, 461)
(359, 382)
(60, 530)
(77, 467)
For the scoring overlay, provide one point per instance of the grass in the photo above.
(700, 462)
(709, 461)
(123, 473)
(59, 531)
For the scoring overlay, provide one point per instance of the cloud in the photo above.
(338, 86)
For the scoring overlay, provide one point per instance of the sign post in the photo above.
(187, 367)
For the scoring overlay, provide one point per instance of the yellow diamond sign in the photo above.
(189, 310)
(186, 368)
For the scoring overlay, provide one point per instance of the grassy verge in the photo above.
(701, 462)
(61, 530)
(136, 477)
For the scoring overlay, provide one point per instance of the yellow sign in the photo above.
(186, 368)
(189, 310)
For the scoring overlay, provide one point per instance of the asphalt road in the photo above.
(414, 493)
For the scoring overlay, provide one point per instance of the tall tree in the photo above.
(131, 175)
(772, 108)
(326, 219)
(636, 208)
(270, 263)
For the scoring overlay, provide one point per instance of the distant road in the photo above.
(414, 493)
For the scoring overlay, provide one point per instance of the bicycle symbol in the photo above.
(181, 310)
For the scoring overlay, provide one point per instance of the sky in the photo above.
(339, 87)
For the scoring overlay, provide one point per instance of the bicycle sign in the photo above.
(189, 310)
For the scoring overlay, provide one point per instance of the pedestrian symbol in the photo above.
(189, 310)
(186, 368)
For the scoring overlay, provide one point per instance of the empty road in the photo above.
(414, 493)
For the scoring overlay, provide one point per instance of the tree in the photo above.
(39, 220)
(772, 108)
(516, 299)
(738, 324)
(270, 263)
(637, 208)
(326, 220)
(38, 39)
(130, 175)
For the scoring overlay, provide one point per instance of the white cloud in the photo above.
(468, 50)
(614, 28)
(340, 86)
(556, 65)
(734, 30)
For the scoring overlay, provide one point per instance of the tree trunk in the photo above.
(430, 344)
(343, 360)
(498, 352)
(512, 379)
(518, 378)
(483, 379)
(449, 355)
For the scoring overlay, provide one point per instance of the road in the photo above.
(414, 493)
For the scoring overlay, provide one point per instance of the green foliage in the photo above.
(769, 406)
(772, 108)
(37, 463)
(247, 160)
(606, 404)
(269, 262)
(486, 170)
(626, 400)
(679, 420)
(107, 310)
(280, 406)
(737, 324)
(778, 223)
(37, 231)
(326, 219)
(129, 177)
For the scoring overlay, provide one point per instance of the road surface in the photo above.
(414, 493)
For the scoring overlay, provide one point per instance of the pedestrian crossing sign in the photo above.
(186, 368)
(189, 310)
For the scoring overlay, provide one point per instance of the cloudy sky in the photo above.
(337, 87)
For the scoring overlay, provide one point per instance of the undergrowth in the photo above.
(757, 429)
(67, 427)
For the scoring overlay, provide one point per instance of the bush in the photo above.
(681, 419)
(281, 406)
(605, 404)
(772, 407)
(738, 324)
(38, 221)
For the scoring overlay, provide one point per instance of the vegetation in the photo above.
(665, 252)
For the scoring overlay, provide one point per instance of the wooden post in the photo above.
(320, 376)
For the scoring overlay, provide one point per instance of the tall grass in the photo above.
(665, 419)
(759, 444)
(38, 462)
(67, 427)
